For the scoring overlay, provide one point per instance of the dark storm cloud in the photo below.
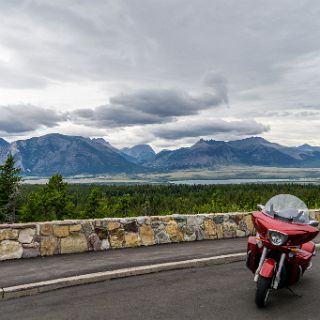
(189, 129)
(25, 118)
(147, 107)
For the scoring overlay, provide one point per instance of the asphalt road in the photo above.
(219, 292)
(21, 271)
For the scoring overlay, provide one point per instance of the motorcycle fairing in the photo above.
(297, 233)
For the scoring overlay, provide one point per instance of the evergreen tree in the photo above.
(51, 202)
(96, 205)
(9, 190)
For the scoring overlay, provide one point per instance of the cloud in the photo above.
(189, 129)
(219, 83)
(75, 54)
(67, 41)
(147, 107)
(26, 118)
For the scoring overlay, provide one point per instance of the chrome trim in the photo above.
(263, 256)
(278, 274)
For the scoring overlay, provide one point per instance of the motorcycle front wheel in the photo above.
(263, 290)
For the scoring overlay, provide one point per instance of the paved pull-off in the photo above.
(210, 293)
(218, 292)
(23, 271)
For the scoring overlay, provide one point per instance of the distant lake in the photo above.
(243, 181)
(110, 181)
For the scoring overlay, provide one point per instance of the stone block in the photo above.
(249, 223)
(61, 231)
(10, 250)
(162, 237)
(219, 231)
(116, 238)
(195, 220)
(236, 218)
(317, 216)
(157, 225)
(26, 235)
(189, 233)
(9, 234)
(74, 243)
(87, 228)
(242, 226)
(174, 231)
(240, 233)
(112, 225)
(199, 233)
(46, 229)
(142, 220)
(131, 240)
(181, 220)
(165, 219)
(230, 226)
(218, 218)
(146, 235)
(94, 242)
(49, 246)
(75, 228)
(102, 233)
(131, 226)
(229, 234)
(31, 250)
(210, 230)
(105, 245)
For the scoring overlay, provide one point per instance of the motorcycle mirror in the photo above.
(314, 223)
(260, 207)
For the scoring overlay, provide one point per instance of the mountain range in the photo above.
(76, 155)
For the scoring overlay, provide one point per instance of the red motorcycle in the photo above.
(282, 249)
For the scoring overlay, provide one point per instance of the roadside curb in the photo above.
(45, 286)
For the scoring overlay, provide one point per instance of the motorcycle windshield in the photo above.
(288, 208)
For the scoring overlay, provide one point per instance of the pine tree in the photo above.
(9, 190)
(52, 202)
(96, 205)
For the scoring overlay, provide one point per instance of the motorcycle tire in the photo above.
(263, 290)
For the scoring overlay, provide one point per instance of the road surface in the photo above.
(22, 271)
(219, 292)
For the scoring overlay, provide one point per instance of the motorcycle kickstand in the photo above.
(294, 293)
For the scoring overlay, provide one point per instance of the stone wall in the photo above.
(71, 236)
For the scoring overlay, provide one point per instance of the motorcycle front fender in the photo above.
(268, 268)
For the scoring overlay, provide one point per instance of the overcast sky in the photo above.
(164, 72)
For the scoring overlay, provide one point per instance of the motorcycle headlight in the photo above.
(277, 238)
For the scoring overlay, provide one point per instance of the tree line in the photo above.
(58, 200)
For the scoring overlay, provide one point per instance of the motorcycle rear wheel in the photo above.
(263, 290)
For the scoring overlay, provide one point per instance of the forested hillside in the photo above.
(85, 201)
